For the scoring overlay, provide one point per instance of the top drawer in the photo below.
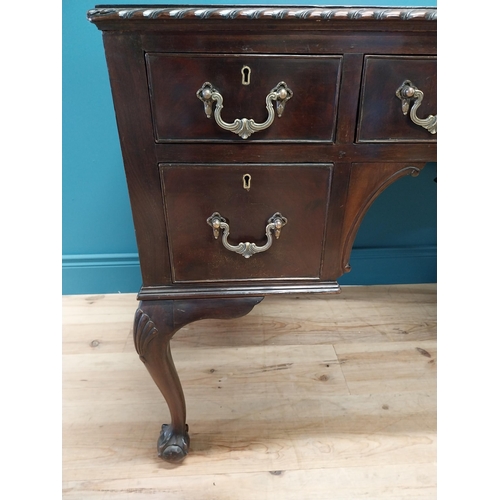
(244, 82)
(381, 117)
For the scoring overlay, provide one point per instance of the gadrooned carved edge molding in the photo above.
(265, 13)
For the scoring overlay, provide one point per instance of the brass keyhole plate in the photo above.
(245, 75)
(246, 181)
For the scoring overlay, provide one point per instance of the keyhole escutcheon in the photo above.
(246, 181)
(245, 75)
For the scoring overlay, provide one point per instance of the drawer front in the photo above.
(381, 116)
(192, 193)
(244, 82)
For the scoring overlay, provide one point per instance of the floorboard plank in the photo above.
(315, 397)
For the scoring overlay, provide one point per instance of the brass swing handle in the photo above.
(274, 223)
(244, 127)
(408, 93)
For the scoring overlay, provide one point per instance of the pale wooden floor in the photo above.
(317, 397)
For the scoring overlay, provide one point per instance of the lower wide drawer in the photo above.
(246, 197)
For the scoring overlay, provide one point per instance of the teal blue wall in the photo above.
(395, 244)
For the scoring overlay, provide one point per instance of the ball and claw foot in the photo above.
(172, 447)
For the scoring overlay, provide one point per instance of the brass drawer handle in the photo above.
(244, 127)
(408, 92)
(274, 223)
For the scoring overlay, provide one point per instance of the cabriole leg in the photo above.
(156, 322)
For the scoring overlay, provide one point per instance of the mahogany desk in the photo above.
(254, 140)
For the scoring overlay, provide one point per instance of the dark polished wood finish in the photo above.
(299, 191)
(382, 121)
(176, 115)
(156, 322)
(341, 140)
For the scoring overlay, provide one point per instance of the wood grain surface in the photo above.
(306, 397)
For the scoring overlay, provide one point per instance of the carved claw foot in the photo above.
(172, 447)
(156, 322)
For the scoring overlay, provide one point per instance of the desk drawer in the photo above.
(381, 116)
(193, 193)
(244, 82)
